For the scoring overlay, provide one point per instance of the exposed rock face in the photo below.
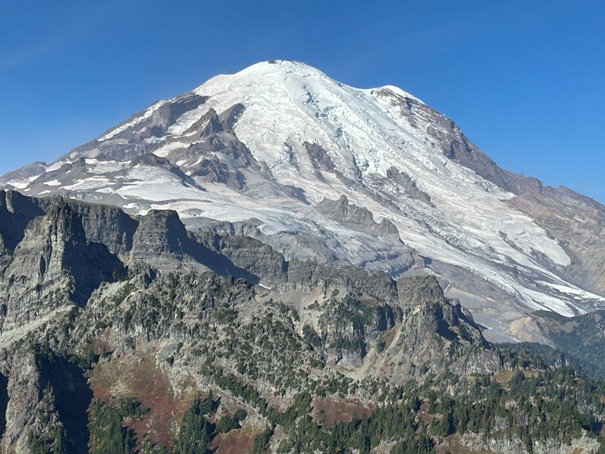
(47, 397)
(160, 238)
(436, 334)
(109, 226)
(126, 140)
(356, 217)
(409, 185)
(306, 276)
(320, 158)
(249, 254)
(54, 262)
(58, 252)
(579, 224)
(215, 154)
(25, 393)
(16, 211)
(349, 328)
(423, 288)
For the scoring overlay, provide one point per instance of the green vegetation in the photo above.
(311, 337)
(534, 406)
(229, 423)
(107, 429)
(261, 441)
(54, 441)
(581, 339)
(196, 432)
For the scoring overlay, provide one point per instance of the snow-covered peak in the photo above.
(266, 72)
(271, 68)
(396, 91)
(284, 67)
(265, 76)
(288, 104)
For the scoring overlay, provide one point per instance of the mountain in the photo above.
(368, 177)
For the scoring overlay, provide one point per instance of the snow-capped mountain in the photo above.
(371, 177)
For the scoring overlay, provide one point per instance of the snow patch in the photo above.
(398, 91)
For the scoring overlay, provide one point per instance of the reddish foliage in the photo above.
(334, 411)
(234, 442)
(139, 377)
(101, 347)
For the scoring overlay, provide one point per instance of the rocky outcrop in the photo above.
(319, 158)
(46, 400)
(57, 252)
(249, 254)
(25, 393)
(358, 218)
(411, 290)
(436, 335)
(404, 181)
(213, 152)
(308, 275)
(350, 327)
(125, 141)
(54, 264)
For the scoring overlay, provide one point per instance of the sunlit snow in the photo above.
(365, 134)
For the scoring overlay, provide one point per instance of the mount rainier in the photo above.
(370, 177)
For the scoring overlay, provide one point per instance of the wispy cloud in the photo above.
(83, 19)
(27, 54)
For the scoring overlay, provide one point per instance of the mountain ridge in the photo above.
(126, 334)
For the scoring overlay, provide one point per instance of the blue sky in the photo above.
(523, 79)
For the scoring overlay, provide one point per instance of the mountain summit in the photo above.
(370, 177)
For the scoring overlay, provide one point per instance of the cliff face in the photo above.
(57, 252)
(54, 263)
(47, 399)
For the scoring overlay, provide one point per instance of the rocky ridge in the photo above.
(94, 327)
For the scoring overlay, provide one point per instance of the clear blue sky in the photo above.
(524, 79)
